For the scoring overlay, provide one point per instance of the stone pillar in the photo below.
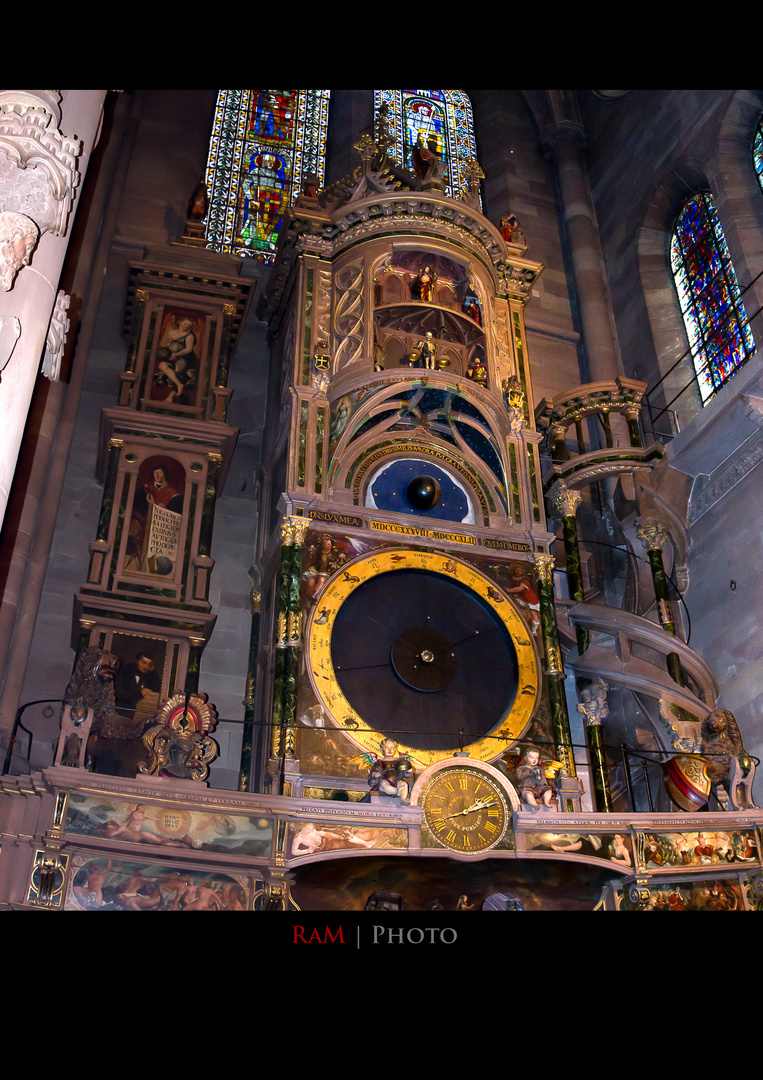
(40, 170)
(651, 534)
(247, 742)
(563, 142)
(563, 504)
(568, 785)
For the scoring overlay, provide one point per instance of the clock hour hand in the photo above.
(474, 807)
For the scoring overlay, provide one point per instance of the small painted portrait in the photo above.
(156, 518)
(176, 366)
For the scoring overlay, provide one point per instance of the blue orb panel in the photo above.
(388, 491)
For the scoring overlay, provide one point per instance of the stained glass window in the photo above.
(440, 120)
(714, 314)
(757, 153)
(264, 144)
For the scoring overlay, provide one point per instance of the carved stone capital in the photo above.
(652, 534)
(593, 703)
(563, 501)
(294, 529)
(38, 165)
(544, 566)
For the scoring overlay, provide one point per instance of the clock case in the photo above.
(349, 397)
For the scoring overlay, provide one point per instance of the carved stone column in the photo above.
(41, 169)
(564, 142)
(651, 534)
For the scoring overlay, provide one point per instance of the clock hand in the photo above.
(471, 809)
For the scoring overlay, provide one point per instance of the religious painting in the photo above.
(110, 884)
(706, 848)
(156, 518)
(132, 822)
(139, 683)
(614, 847)
(177, 368)
(718, 895)
(309, 838)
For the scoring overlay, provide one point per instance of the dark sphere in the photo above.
(423, 492)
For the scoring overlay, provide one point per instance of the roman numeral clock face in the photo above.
(464, 810)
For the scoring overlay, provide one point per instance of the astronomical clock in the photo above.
(401, 508)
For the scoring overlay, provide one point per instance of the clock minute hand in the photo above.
(471, 809)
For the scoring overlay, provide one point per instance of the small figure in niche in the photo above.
(525, 597)
(426, 351)
(477, 371)
(533, 776)
(392, 774)
(177, 362)
(471, 305)
(422, 286)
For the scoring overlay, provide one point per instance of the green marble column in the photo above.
(593, 706)
(563, 752)
(247, 741)
(116, 446)
(194, 665)
(651, 535)
(214, 461)
(631, 414)
(563, 504)
(289, 641)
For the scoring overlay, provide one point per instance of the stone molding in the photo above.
(38, 164)
(733, 470)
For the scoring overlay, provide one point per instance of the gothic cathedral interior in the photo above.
(380, 528)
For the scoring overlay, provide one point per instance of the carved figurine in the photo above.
(391, 774)
(198, 204)
(179, 745)
(729, 766)
(426, 161)
(426, 351)
(18, 236)
(510, 230)
(325, 557)
(422, 286)
(471, 305)
(477, 371)
(533, 776)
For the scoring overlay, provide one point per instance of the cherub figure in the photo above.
(533, 775)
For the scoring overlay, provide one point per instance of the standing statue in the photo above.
(426, 351)
(422, 286)
(730, 768)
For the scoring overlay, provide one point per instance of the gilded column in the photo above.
(247, 742)
(631, 414)
(651, 535)
(544, 565)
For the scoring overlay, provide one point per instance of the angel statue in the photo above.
(389, 773)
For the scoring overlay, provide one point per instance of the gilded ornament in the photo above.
(544, 565)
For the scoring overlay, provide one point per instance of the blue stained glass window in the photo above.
(711, 304)
(441, 119)
(264, 144)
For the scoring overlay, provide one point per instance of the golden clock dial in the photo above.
(465, 810)
(423, 648)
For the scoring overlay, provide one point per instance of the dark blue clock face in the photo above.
(433, 495)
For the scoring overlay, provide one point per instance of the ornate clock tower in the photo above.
(403, 551)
